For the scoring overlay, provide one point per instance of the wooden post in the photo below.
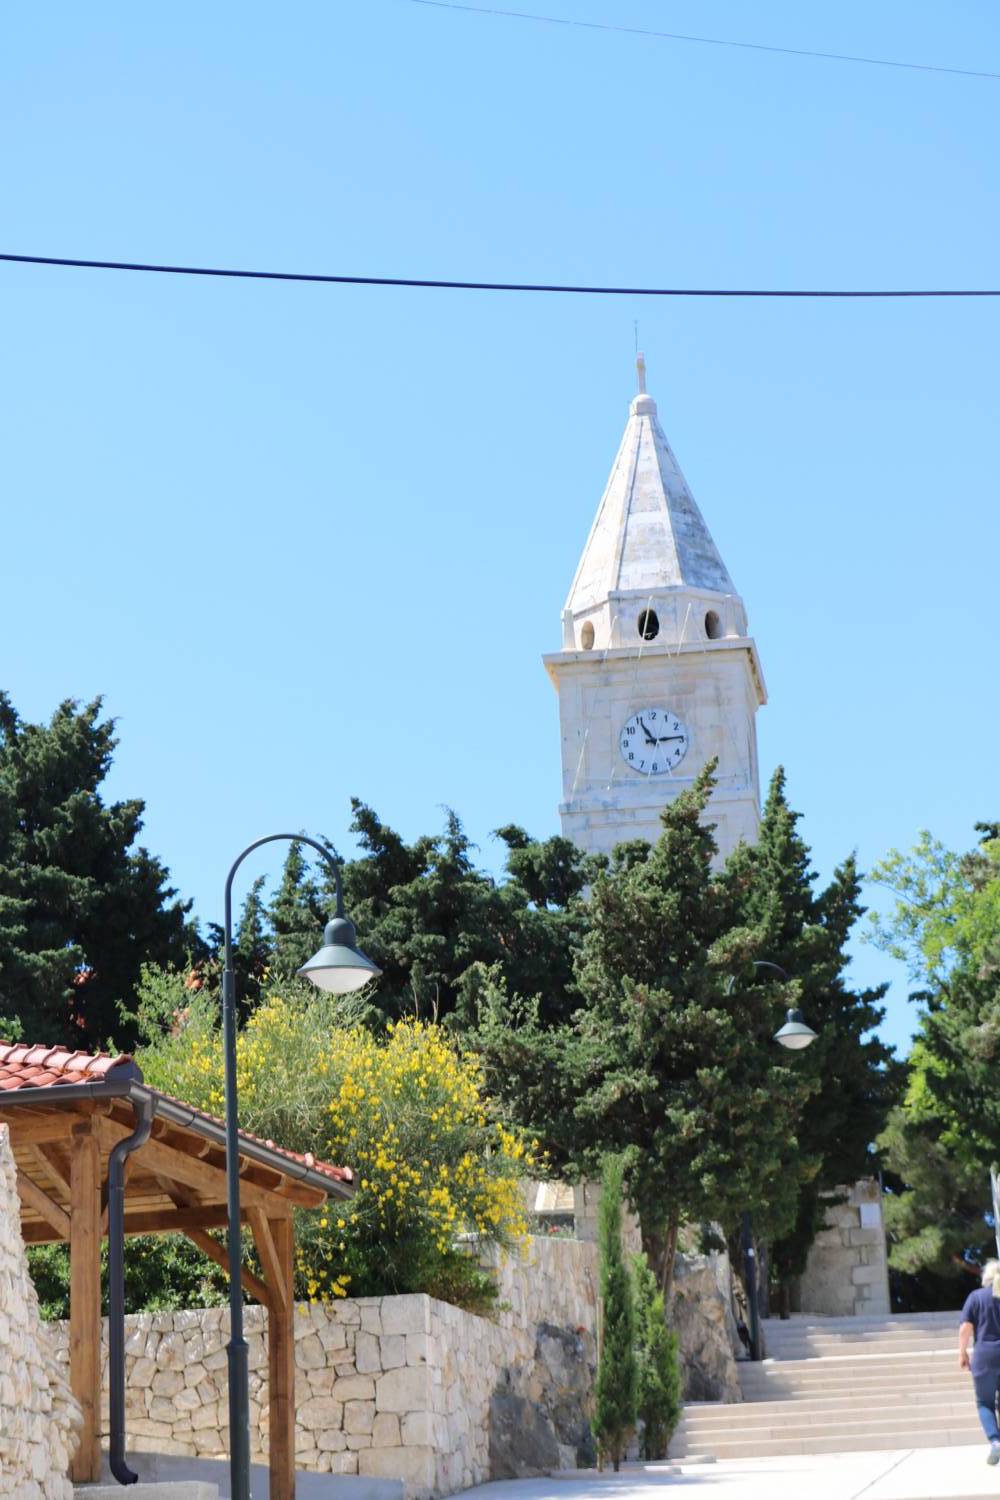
(85, 1299)
(281, 1365)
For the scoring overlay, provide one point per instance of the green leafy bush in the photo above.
(436, 1178)
(162, 1273)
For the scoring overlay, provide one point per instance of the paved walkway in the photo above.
(956, 1473)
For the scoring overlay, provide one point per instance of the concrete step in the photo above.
(928, 1362)
(739, 1418)
(847, 1321)
(847, 1441)
(792, 1338)
(840, 1385)
(873, 1390)
(926, 1338)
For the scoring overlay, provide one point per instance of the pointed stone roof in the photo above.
(648, 533)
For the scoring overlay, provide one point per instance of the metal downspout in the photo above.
(145, 1109)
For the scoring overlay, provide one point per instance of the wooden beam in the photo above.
(85, 1299)
(209, 1178)
(36, 1198)
(217, 1253)
(281, 1366)
(30, 1130)
(179, 1166)
(187, 1198)
(51, 1161)
(267, 1251)
(146, 1221)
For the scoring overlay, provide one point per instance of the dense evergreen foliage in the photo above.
(82, 908)
(850, 1070)
(670, 1056)
(943, 1137)
(615, 1389)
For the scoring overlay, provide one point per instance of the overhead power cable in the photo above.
(704, 41)
(489, 286)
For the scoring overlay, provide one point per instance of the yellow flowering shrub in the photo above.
(435, 1175)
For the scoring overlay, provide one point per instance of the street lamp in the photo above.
(795, 1035)
(339, 967)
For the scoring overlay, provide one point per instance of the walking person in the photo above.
(981, 1321)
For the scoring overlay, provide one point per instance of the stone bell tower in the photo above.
(657, 673)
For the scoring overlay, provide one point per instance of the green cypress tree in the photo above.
(659, 1371)
(615, 1388)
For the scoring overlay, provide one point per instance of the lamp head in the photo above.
(340, 966)
(795, 1034)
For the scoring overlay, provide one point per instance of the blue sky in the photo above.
(311, 542)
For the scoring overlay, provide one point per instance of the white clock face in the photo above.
(653, 742)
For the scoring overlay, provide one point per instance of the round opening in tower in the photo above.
(649, 625)
(713, 626)
(587, 635)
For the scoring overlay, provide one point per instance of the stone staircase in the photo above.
(841, 1385)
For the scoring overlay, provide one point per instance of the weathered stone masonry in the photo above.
(399, 1387)
(38, 1416)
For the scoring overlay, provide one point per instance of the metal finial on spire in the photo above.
(640, 373)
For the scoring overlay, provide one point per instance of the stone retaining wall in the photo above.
(395, 1387)
(847, 1273)
(38, 1416)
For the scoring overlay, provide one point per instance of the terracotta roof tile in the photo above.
(23, 1066)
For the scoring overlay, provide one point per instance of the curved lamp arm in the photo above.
(273, 838)
(758, 963)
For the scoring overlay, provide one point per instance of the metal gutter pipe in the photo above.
(145, 1109)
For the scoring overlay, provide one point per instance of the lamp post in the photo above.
(795, 1035)
(338, 968)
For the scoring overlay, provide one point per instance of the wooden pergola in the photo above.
(66, 1113)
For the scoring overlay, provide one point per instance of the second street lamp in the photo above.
(795, 1035)
(339, 967)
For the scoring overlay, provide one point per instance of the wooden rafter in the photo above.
(187, 1198)
(34, 1130)
(179, 1166)
(51, 1162)
(269, 1260)
(57, 1218)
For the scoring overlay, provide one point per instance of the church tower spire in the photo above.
(653, 626)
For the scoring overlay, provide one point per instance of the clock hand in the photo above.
(650, 739)
(669, 737)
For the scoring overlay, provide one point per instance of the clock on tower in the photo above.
(657, 673)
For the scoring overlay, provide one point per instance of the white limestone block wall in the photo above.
(38, 1416)
(847, 1274)
(394, 1387)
